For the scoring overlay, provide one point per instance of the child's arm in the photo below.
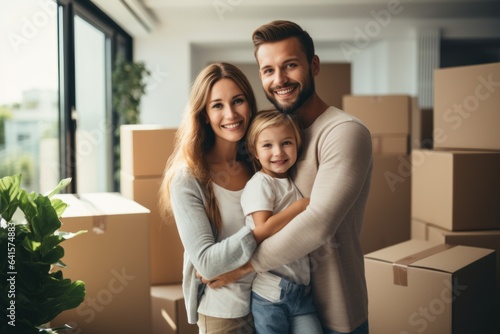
(266, 224)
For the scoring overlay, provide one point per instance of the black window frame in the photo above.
(120, 41)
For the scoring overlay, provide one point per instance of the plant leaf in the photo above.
(59, 206)
(46, 221)
(62, 184)
(53, 255)
(9, 195)
(69, 235)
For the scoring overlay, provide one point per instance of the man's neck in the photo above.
(311, 110)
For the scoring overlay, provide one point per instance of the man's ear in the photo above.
(315, 65)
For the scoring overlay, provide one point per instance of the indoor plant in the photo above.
(129, 85)
(32, 293)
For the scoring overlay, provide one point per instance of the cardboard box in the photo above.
(169, 311)
(387, 212)
(467, 107)
(421, 126)
(456, 190)
(423, 287)
(166, 250)
(332, 82)
(144, 149)
(485, 239)
(112, 258)
(397, 144)
(382, 114)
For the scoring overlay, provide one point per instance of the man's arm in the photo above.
(345, 160)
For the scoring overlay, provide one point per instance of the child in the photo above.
(281, 298)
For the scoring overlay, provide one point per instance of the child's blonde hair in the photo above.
(266, 119)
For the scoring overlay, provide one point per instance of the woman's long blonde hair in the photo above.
(195, 138)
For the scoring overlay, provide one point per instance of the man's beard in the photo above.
(304, 95)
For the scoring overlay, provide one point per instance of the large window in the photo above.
(56, 119)
(29, 113)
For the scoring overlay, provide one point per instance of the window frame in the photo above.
(67, 10)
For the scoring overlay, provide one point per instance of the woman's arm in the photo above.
(209, 257)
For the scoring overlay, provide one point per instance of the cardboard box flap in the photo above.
(430, 255)
(396, 252)
(113, 204)
(90, 204)
(437, 257)
(453, 259)
(75, 208)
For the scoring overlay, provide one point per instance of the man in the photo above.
(334, 170)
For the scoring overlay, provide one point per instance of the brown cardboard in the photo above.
(333, 82)
(448, 291)
(387, 212)
(396, 144)
(166, 250)
(112, 258)
(467, 107)
(456, 190)
(382, 114)
(421, 126)
(169, 311)
(486, 239)
(144, 149)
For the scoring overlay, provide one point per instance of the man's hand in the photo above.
(229, 277)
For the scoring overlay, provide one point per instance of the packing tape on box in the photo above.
(400, 267)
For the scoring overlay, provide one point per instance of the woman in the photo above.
(202, 186)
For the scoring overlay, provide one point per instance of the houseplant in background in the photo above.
(32, 292)
(129, 85)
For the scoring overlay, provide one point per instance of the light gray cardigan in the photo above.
(202, 252)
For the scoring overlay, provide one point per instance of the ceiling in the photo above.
(143, 16)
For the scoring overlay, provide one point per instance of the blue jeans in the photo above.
(361, 329)
(294, 313)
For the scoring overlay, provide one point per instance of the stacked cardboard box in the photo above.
(145, 150)
(112, 258)
(419, 286)
(387, 116)
(387, 214)
(456, 186)
(444, 279)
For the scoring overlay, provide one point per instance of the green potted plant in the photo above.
(32, 292)
(129, 85)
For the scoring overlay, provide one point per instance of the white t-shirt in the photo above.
(233, 300)
(266, 193)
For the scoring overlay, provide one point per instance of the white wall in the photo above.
(384, 60)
